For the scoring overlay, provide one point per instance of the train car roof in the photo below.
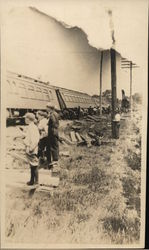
(33, 80)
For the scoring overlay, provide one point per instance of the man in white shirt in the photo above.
(31, 142)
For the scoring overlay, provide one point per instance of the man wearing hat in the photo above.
(31, 142)
(52, 142)
(43, 130)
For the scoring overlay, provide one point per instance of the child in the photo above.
(31, 142)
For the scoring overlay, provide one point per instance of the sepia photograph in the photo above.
(73, 123)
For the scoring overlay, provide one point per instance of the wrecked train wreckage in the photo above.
(28, 94)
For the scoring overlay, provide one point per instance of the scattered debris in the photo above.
(78, 137)
(97, 119)
(91, 134)
(72, 136)
(76, 128)
(65, 139)
(87, 139)
(64, 153)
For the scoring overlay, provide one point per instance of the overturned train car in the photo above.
(27, 94)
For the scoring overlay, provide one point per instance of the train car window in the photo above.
(70, 98)
(67, 98)
(50, 95)
(64, 97)
(31, 92)
(76, 99)
(22, 90)
(14, 88)
(45, 95)
(9, 87)
(39, 93)
(73, 98)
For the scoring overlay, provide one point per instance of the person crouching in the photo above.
(31, 142)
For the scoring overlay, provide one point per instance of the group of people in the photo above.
(78, 112)
(41, 140)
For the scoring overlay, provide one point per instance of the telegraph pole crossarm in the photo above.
(126, 64)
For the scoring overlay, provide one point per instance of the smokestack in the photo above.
(111, 25)
(113, 74)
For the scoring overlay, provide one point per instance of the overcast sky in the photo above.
(129, 21)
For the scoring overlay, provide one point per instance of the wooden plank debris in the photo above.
(65, 139)
(87, 139)
(64, 153)
(105, 142)
(73, 137)
(76, 128)
(78, 137)
(90, 120)
(94, 118)
(91, 134)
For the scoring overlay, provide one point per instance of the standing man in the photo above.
(78, 112)
(31, 140)
(43, 130)
(52, 142)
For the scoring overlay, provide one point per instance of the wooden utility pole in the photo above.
(113, 82)
(126, 64)
(101, 60)
(131, 88)
(113, 88)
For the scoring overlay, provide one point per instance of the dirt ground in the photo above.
(98, 197)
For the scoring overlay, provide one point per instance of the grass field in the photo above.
(97, 201)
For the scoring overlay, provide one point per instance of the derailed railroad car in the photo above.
(28, 94)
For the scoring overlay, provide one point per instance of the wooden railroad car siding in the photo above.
(25, 93)
(28, 93)
(74, 99)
